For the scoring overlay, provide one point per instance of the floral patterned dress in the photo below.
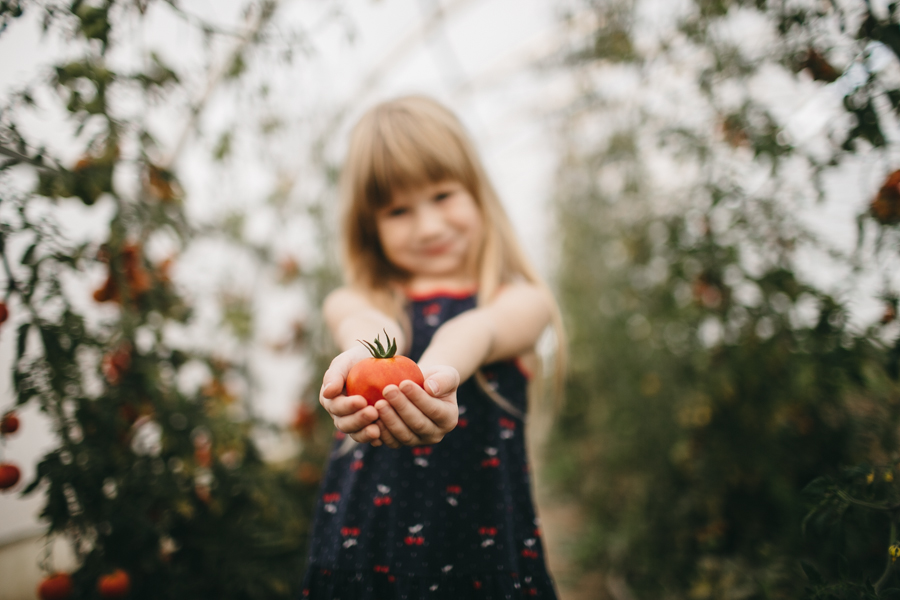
(450, 521)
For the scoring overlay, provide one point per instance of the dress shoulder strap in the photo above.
(497, 397)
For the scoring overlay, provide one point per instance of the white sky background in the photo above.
(476, 61)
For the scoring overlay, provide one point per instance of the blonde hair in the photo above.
(403, 144)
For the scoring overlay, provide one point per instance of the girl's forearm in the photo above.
(367, 326)
(463, 343)
(505, 328)
(350, 317)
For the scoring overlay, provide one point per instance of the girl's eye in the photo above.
(441, 196)
(397, 211)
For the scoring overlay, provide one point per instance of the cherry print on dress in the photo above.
(432, 314)
(382, 498)
(493, 461)
(487, 534)
(420, 453)
(490, 379)
(453, 492)
(331, 501)
(413, 539)
(529, 551)
(462, 421)
(350, 535)
(357, 463)
(507, 428)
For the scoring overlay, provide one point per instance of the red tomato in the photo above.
(9, 423)
(9, 475)
(57, 586)
(114, 585)
(369, 376)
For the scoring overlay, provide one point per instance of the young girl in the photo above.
(428, 493)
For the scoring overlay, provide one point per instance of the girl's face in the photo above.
(433, 232)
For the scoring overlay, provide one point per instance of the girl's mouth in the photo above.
(437, 249)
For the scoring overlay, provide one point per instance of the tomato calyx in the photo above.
(369, 376)
(377, 349)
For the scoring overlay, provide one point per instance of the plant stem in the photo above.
(890, 560)
(870, 505)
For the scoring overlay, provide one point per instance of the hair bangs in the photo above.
(405, 154)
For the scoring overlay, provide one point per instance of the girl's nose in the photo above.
(429, 221)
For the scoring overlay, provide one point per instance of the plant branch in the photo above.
(203, 24)
(870, 505)
(248, 38)
(22, 158)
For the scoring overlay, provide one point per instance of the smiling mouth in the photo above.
(438, 249)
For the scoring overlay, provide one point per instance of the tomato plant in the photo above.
(369, 376)
(57, 586)
(114, 585)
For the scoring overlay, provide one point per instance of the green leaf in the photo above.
(21, 339)
(223, 146)
(28, 257)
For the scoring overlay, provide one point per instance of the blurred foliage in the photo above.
(730, 430)
(161, 480)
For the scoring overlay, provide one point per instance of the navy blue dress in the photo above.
(450, 521)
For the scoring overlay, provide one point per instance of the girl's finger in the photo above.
(334, 378)
(441, 381)
(412, 416)
(386, 437)
(330, 386)
(343, 406)
(439, 411)
(366, 435)
(357, 420)
(395, 425)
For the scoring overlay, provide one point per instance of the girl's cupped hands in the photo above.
(413, 416)
(408, 416)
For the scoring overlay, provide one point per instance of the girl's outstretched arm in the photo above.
(505, 328)
(351, 317)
